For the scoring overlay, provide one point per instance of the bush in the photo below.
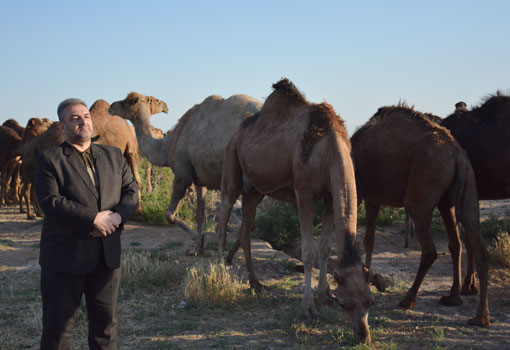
(278, 222)
(493, 226)
(209, 282)
(388, 216)
(500, 251)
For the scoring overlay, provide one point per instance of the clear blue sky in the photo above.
(356, 55)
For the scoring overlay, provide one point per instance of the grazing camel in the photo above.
(10, 145)
(193, 149)
(404, 160)
(299, 152)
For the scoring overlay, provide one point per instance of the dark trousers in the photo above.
(61, 298)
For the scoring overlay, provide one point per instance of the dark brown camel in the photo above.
(299, 152)
(15, 179)
(404, 160)
(10, 154)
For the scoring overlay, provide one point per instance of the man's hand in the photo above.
(105, 223)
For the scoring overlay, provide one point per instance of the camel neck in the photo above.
(155, 150)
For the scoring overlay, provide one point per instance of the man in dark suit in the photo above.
(87, 193)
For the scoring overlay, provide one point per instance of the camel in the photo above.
(483, 133)
(14, 125)
(35, 127)
(193, 149)
(15, 179)
(10, 144)
(404, 160)
(299, 152)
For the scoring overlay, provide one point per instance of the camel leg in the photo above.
(328, 226)
(148, 175)
(132, 158)
(428, 255)
(231, 187)
(470, 286)
(250, 202)
(180, 187)
(200, 216)
(409, 224)
(305, 204)
(372, 210)
(455, 247)
(35, 202)
(27, 194)
(477, 245)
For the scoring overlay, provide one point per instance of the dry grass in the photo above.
(212, 282)
(500, 252)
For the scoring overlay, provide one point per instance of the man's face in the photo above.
(77, 124)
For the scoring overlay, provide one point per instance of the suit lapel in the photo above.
(75, 161)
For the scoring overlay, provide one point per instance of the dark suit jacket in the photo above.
(70, 203)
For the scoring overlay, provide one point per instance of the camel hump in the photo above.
(322, 119)
(289, 89)
(493, 106)
(213, 99)
(99, 105)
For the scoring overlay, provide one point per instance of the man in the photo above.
(87, 193)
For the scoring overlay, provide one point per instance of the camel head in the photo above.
(136, 106)
(354, 296)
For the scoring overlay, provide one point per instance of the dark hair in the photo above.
(66, 103)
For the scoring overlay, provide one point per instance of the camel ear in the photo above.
(134, 100)
(339, 278)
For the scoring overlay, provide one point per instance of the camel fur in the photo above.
(404, 160)
(299, 152)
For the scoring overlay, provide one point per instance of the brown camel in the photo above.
(115, 131)
(10, 145)
(35, 127)
(14, 125)
(15, 180)
(404, 160)
(299, 152)
(193, 149)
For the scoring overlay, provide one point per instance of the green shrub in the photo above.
(492, 226)
(388, 216)
(277, 222)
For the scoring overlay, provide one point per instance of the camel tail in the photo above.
(463, 187)
(344, 199)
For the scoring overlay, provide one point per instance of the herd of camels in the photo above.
(300, 152)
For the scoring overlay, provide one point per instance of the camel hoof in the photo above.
(479, 321)
(30, 217)
(379, 282)
(450, 300)
(407, 304)
(469, 289)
